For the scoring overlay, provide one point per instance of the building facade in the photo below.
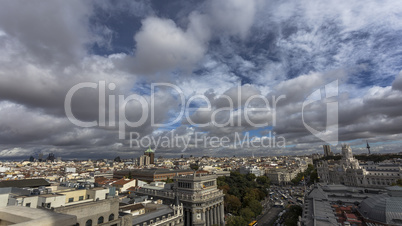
(150, 175)
(349, 172)
(251, 169)
(144, 160)
(203, 202)
(327, 150)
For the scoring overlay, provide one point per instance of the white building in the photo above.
(349, 172)
(251, 169)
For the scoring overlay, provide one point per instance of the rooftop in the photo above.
(382, 208)
(19, 215)
(24, 183)
(159, 212)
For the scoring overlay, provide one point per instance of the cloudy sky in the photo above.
(336, 64)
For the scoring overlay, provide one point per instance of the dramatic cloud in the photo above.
(211, 53)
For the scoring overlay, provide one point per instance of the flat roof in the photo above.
(24, 183)
(21, 215)
(161, 211)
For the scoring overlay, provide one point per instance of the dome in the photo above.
(149, 150)
(382, 208)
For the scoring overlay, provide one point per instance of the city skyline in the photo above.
(307, 73)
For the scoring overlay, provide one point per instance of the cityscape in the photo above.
(200, 113)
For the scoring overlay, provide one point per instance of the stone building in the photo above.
(327, 150)
(105, 212)
(21, 215)
(349, 172)
(144, 160)
(202, 200)
(161, 215)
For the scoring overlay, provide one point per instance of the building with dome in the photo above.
(383, 209)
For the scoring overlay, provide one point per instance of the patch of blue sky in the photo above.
(142, 88)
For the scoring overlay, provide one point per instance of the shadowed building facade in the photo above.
(201, 199)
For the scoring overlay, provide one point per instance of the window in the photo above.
(111, 217)
(71, 200)
(88, 223)
(87, 196)
(81, 198)
(100, 220)
(28, 204)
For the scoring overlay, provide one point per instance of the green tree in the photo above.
(292, 215)
(225, 188)
(236, 221)
(250, 177)
(309, 169)
(263, 180)
(247, 214)
(168, 180)
(232, 204)
(194, 167)
(255, 206)
(314, 176)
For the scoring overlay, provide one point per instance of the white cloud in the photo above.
(161, 45)
(233, 17)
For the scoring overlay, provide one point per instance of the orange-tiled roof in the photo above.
(351, 216)
(202, 171)
(100, 179)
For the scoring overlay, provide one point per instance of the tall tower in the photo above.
(368, 147)
(151, 153)
(327, 150)
(347, 152)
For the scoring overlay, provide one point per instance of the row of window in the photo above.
(184, 185)
(209, 183)
(383, 174)
(79, 198)
(100, 220)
